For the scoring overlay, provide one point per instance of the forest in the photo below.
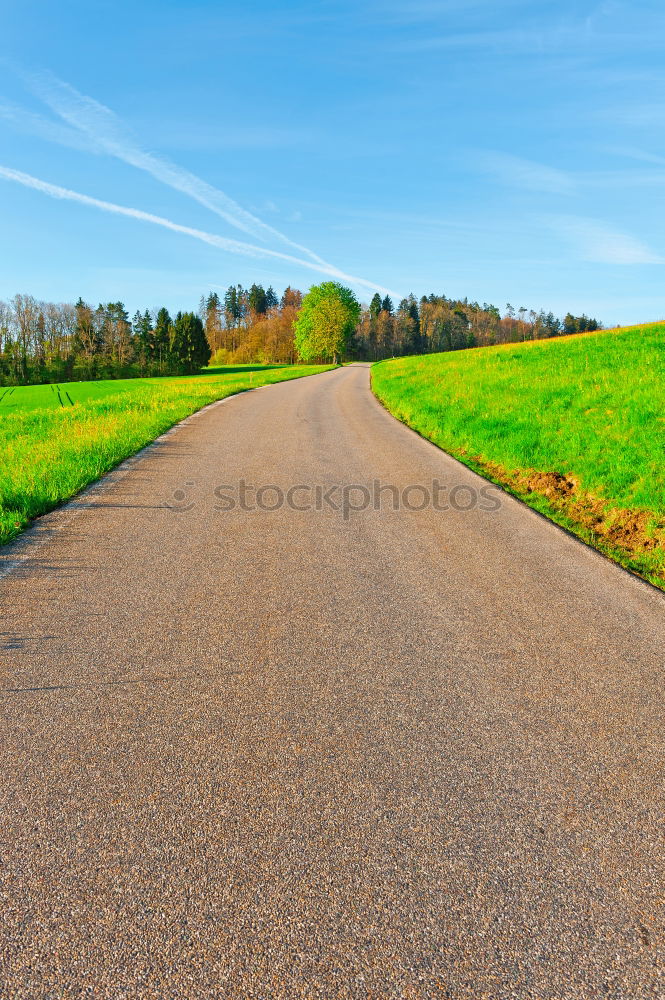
(60, 342)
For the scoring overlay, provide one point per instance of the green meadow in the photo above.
(55, 440)
(574, 426)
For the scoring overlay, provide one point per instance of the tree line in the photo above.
(253, 325)
(59, 342)
(436, 323)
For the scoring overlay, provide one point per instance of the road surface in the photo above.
(325, 753)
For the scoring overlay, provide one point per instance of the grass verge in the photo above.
(51, 449)
(574, 427)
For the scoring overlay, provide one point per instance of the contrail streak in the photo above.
(107, 131)
(27, 121)
(221, 242)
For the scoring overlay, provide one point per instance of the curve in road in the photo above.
(380, 753)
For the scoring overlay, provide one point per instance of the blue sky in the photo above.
(504, 150)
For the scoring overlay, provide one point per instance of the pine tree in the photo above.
(257, 299)
(375, 306)
(211, 315)
(232, 307)
(142, 327)
(291, 297)
(162, 337)
(188, 343)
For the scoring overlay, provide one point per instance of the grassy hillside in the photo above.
(53, 444)
(574, 426)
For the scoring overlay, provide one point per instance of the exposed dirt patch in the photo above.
(636, 531)
(630, 531)
(550, 484)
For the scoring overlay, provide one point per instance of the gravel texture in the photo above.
(253, 754)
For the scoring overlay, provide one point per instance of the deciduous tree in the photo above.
(326, 321)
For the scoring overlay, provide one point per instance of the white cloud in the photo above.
(527, 174)
(607, 28)
(594, 241)
(632, 153)
(414, 11)
(221, 242)
(503, 40)
(644, 115)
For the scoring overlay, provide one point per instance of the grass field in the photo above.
(54, 397)
(574, 426)
(52, 445)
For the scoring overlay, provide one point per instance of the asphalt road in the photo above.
(297, 754)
